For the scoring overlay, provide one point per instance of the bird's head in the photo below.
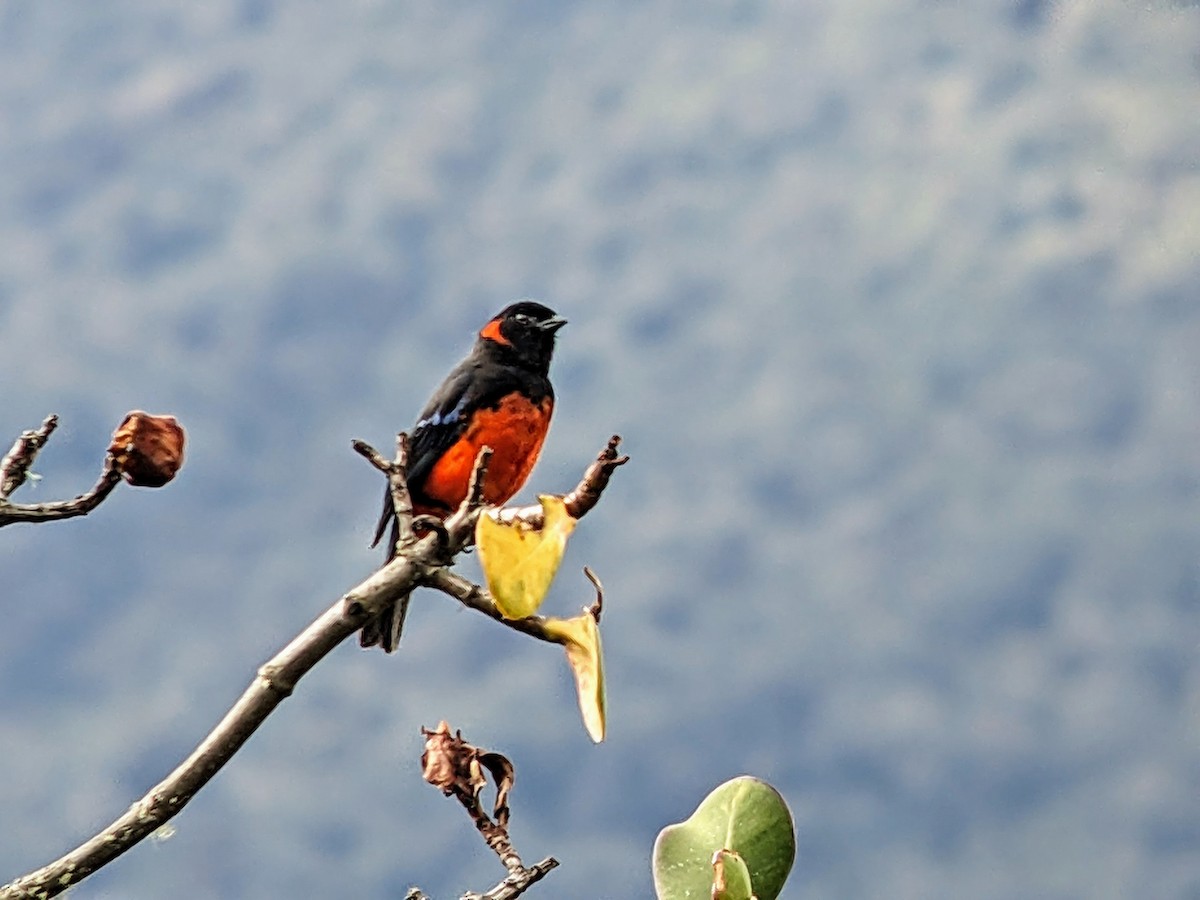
(526, 331)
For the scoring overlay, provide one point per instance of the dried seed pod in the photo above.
(148, 449)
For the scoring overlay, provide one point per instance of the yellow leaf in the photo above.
(518, 562)
(580, 637)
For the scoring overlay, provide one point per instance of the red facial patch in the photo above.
(491, 332)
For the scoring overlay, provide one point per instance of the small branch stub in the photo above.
(14, 468)
(582, 498)
(598, 607)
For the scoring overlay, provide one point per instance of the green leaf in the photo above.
(744, 815)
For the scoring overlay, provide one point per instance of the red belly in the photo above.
(514, 430)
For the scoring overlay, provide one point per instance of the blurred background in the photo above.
(895, 305)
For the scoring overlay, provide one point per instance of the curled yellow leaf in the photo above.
(580, 637)
(518, 562)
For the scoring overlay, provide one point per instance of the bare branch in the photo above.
(477, 598)
(110, 477)
(402, 501)
(509, 889)
(583, 498)
(373, 456)
(14, 468)
(460, 526)
(474, 496)
(517, 883)
(396, 471)
(579, 501)
(598, 607)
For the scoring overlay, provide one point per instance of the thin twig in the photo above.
(597, 607)
(579, 501)
(582, 498)
(402, 501)
(512, 887)
(517, 883)
(396, 471)
(373, 456)
(14, 468)
(477, 598)
(460, 526)
(110, 477)
(478, 477)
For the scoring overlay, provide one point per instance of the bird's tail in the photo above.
(385, 628)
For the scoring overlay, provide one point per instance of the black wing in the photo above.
(443, 421)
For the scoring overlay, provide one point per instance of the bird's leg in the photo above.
(425, 524)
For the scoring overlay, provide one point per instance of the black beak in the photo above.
(552, 324)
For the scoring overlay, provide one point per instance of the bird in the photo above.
(499, 396)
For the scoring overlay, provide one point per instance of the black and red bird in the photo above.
(500, 397)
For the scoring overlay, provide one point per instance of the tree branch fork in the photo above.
(422, 560)
(15, 470)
